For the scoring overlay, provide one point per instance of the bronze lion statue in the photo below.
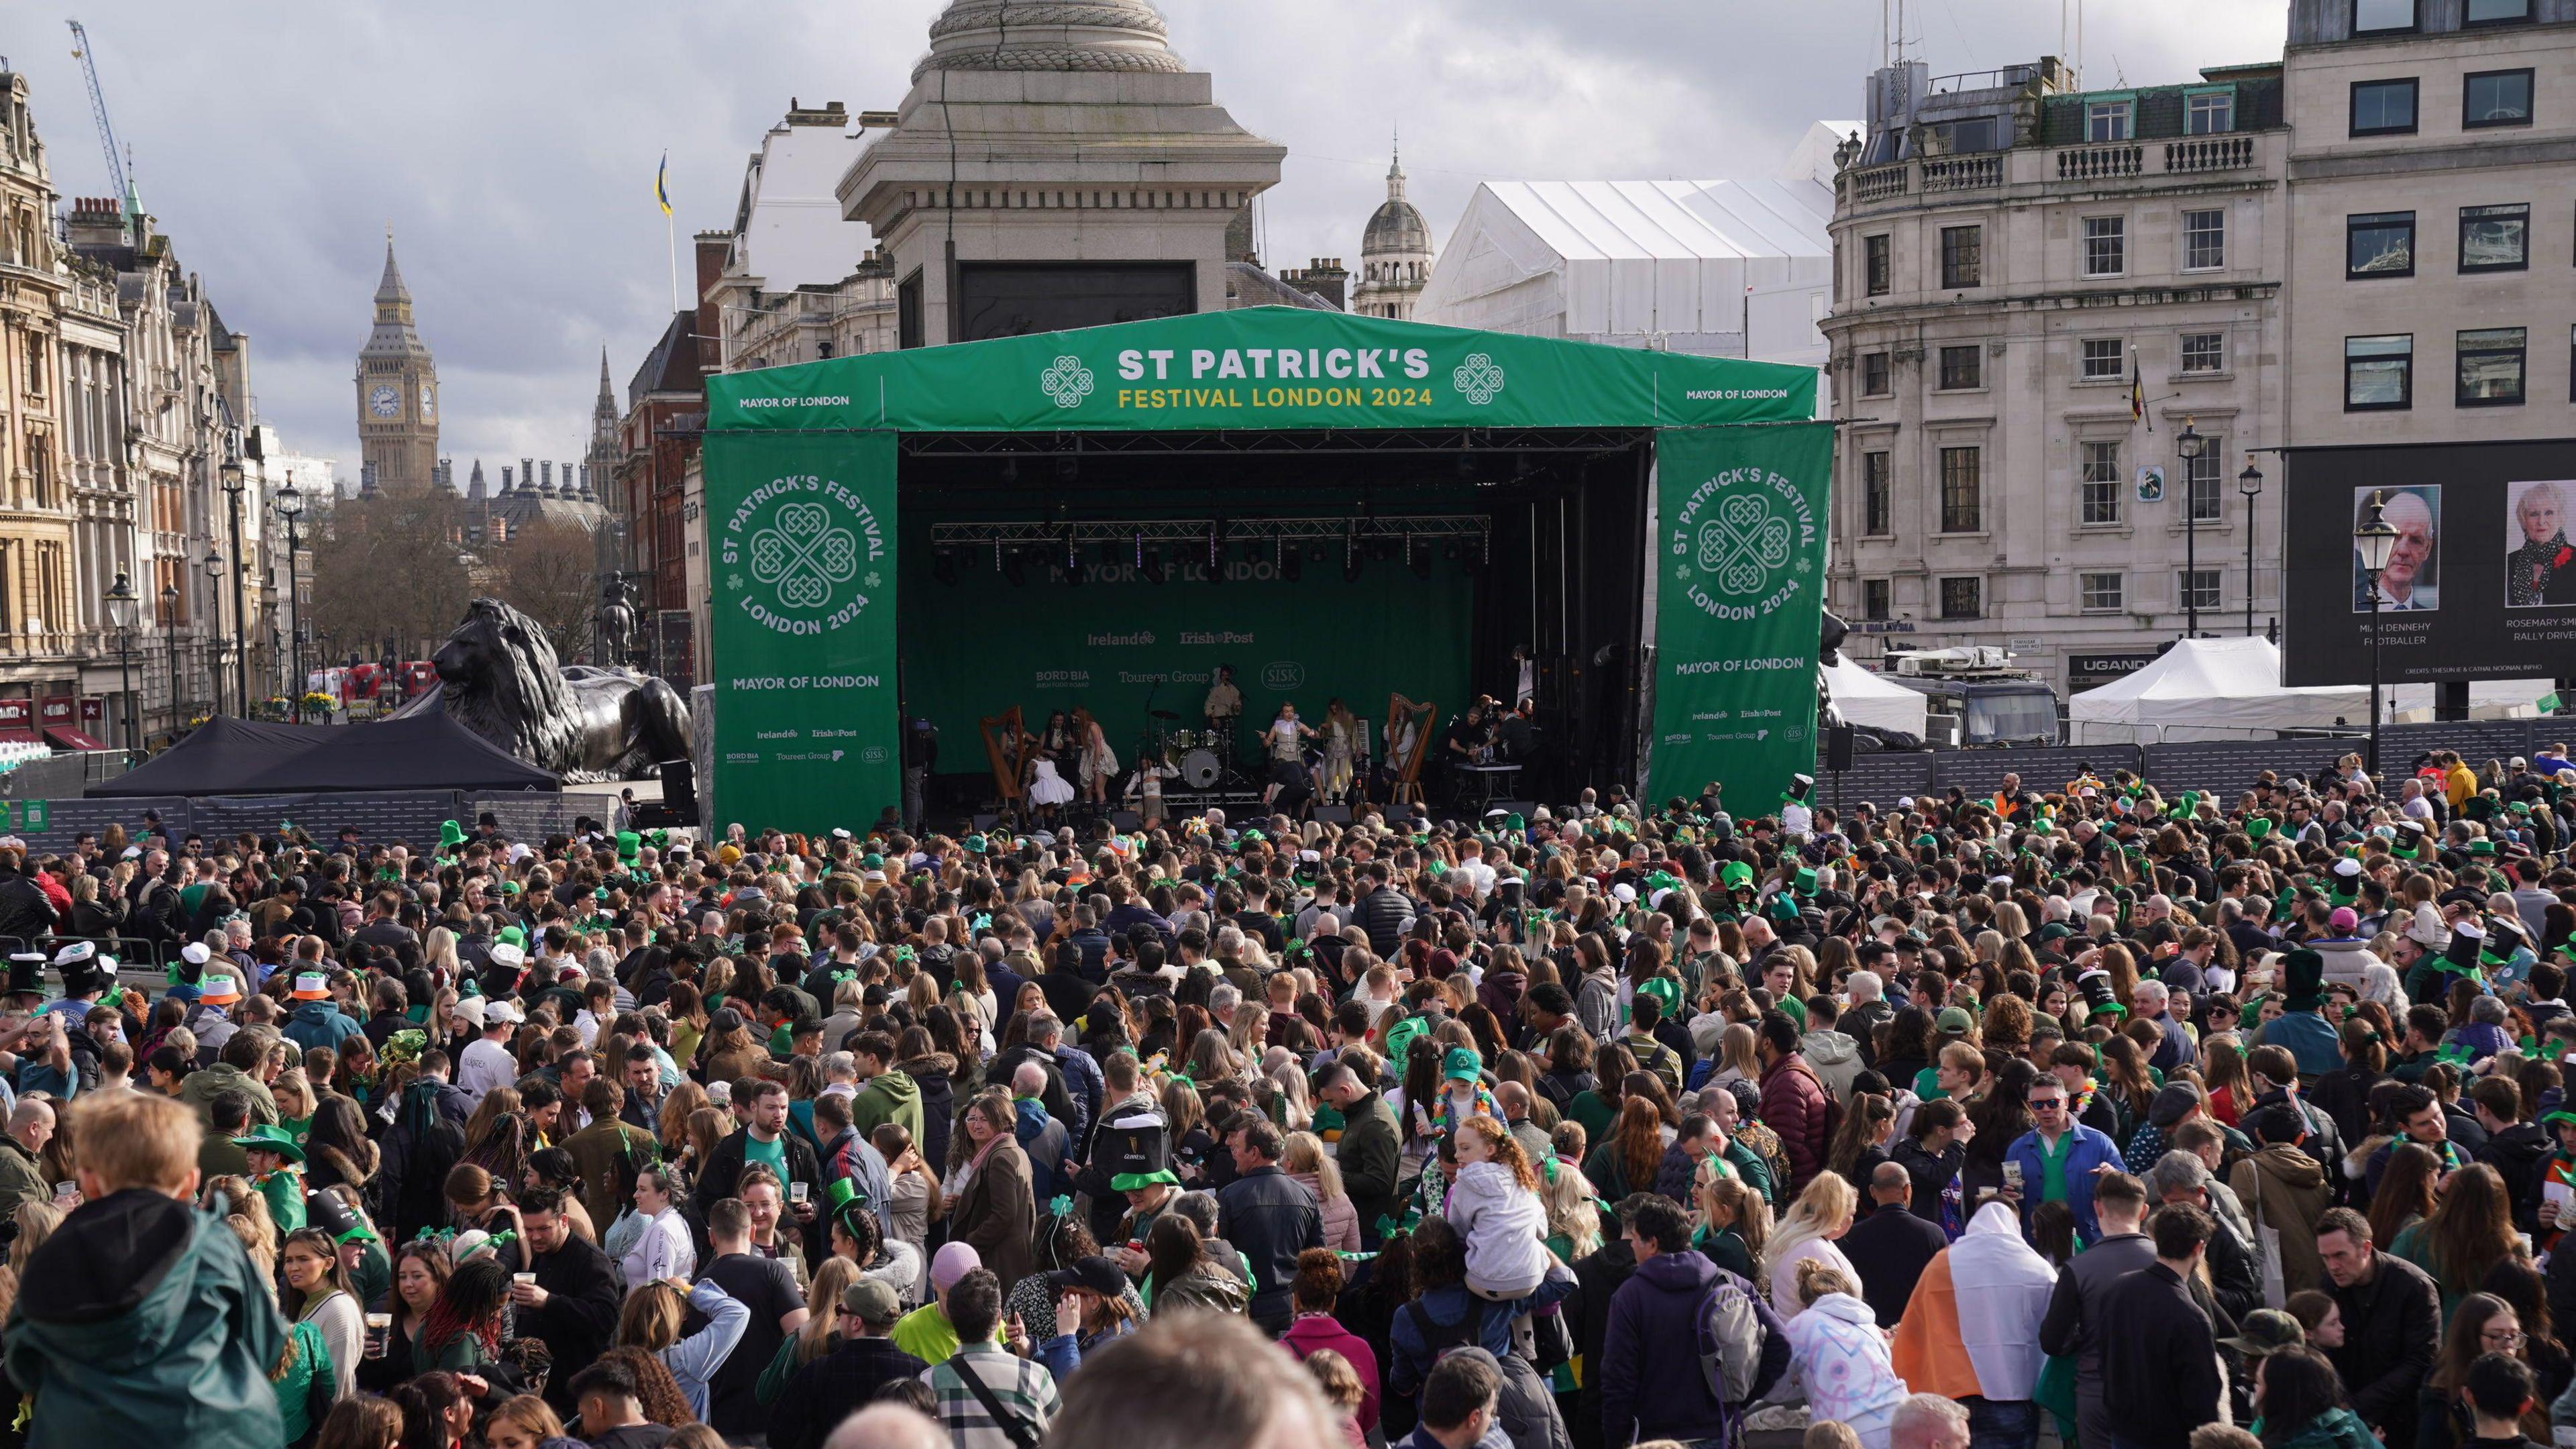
(497, 676)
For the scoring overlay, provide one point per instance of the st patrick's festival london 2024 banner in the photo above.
(801, 544)
(1740, 546)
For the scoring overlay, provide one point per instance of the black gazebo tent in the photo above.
(243, 757)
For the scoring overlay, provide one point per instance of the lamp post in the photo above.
(2249, 483)
(170, 620)
(2374, 540)
(290, 506)
(215, 637)
(121, 603)
(2189, 445)
(234, 486)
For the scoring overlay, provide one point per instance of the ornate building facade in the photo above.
(1395, 253)
(397, 389)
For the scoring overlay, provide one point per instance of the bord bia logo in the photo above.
(1283, 674)
(1067, 381)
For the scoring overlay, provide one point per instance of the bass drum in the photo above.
(1199, 769)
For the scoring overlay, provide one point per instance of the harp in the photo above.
(1006, 747)
(1408, 740)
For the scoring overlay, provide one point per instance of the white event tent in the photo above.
(2230, 689)
(1873, 701)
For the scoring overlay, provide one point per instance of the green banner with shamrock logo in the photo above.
(1740, 541)
(800, 535)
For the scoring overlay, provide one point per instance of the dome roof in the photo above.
(1048, 35)
(1396, 229)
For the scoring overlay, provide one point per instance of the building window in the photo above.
(2204, 240)
(1875, 496)
(2491, 367)
(1963, 598)
(1876, 380)
(1961, 507)
(1877, 599)
(1874, 264)
(2108, 120)
(2204, 352)
(2495, 238)
(1963, 255)
(2196, 588)
(2100, 488)
(2382, 17)
(2208, 505)
(2378, 373)
(2496, 98)
(2498, 12)
(2208, 113)
(2103, 593)
(2106, 246)
(2381, 244)
(2383, 107)
(2103, 359)
(1963, 367)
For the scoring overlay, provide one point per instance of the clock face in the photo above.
(428, 403)
(384, 402)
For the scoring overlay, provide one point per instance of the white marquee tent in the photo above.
(2230, 689)
(1872, 701)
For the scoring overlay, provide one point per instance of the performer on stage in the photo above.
(1334, 777)
(1224, 708)
(1286, 738)
(1099, 765)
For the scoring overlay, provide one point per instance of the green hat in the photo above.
(269, 1137)
(512, 934)
(1665, 990)
(1783, 907)
(1462, 1064)
(1804, 882)
(1662, 880)
(1735, 875)
(1134, 1181)
(842, 1192)
(1514, 823)
(1927, 838)
(975, 844)
(450, 835)
(2482, 846)
(2258, 829)
(1399, 1039)
(2550, 1119)
(628, 844)
(872, 861)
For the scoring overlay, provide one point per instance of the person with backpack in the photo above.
(1689, 1345)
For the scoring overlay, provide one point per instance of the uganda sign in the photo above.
(1262, 367)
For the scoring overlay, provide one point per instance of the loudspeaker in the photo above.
(1126, 820)
(1838, 747)
(1341, 814)
(680, 788)
(982, 821)
(1525, 809)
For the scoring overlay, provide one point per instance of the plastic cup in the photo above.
(379, 1331)
(796, 1192)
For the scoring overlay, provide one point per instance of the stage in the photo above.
(1337, 507)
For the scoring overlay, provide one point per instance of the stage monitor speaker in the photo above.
(1332, 815)
(983, 821)
(680, 788)
(1126, 820)
(1525, 809)
(1838, 747)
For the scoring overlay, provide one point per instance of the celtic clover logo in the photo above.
(1478, 378)
(1068, 382)
(1743, 543)
(805, 554)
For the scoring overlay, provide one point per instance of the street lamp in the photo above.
(2374, 540)
(170, 618)
(215, 636)
(234, 486)
(290, 506)
(121, 604)
(2189, 445)
(2249, 483)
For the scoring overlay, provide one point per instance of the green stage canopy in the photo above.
(800, 516)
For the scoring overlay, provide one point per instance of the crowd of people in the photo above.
(2149, 1118)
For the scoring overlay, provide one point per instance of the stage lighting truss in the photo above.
(1126, 540)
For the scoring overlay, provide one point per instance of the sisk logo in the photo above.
(1283, 674)
(872, 755)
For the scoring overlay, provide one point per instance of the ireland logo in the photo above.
(1743, 543)
(1478, 379)
(804, 553)
(1068, 381)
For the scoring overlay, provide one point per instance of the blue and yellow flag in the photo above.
(661, 186)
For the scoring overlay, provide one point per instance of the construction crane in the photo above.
(116, 171)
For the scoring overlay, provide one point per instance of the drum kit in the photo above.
(1199, 755)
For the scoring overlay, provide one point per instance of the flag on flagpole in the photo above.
(2137, 388)
(661, 187)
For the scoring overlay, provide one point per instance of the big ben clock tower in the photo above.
(397, 390)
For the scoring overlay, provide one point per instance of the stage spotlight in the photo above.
(1010, 471)
(1111, 554)
(1149, 565)
(1067, 468)
(1014, 571)
(1419, 556)
(1292, 563)
(943, 565)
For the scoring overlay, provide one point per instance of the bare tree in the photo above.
(390, 568)
(548, 571)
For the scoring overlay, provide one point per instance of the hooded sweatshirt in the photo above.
(1841, 1357)
(1835, 1057)
(1503, 1224)
(1972, 1326)
(142, 1320)
(319, 1024)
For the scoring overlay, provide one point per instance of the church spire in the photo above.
(390, 291)
(1395, 168)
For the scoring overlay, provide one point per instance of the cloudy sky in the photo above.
(512, 146)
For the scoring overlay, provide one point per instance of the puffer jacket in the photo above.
(1502, 1224)
(142, 1320)
(1793, 1105)
(2285, 1190)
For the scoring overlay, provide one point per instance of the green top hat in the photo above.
(269, 1137)
(450, 835)
(1133, 1181)
(1735, 875)
(629, 844)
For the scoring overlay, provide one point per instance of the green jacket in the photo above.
(2334, 1429)
(890, 1096)
(142, 1321)
(22, 1178)
(205, 1084)
(296, 1390)
(1370, 1158)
